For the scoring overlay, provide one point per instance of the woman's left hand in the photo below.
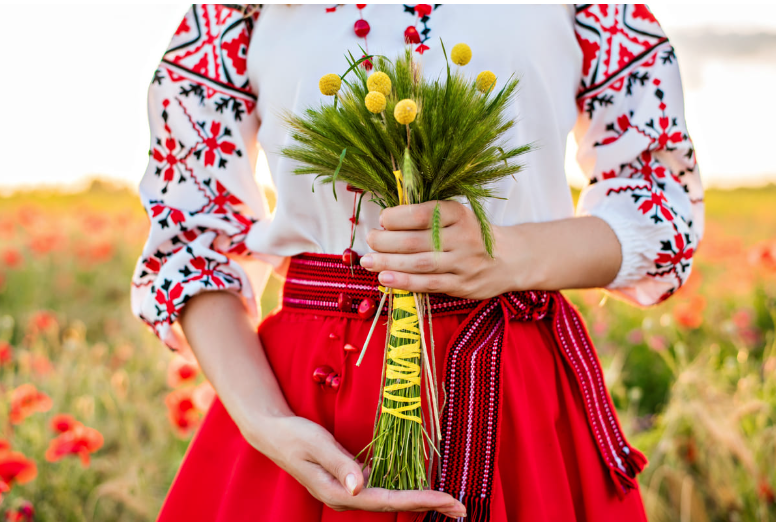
(405, 257)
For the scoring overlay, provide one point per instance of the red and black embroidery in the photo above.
(215, 144)
(208, 58)
(631, 97)
(169, 154)
(412, 35)
(613, 38)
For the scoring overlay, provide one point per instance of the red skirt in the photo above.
(542, 445)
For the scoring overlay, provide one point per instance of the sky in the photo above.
(76, 79)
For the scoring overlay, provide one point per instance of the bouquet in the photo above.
(404, 140)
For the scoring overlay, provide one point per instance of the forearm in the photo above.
(581, 252)
(231, 356)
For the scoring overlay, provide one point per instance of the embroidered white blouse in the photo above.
(607, 72)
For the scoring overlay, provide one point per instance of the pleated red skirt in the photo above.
(548, 465)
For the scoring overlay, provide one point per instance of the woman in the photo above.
(529, 430)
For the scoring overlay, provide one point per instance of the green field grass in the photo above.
(694, 378)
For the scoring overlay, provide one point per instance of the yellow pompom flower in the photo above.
(375, 102)
(461, 54)
(405, 111)
(485, 80)
(329, 84)
(379, 82)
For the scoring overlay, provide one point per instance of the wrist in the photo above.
(520, 261)
(263, 433)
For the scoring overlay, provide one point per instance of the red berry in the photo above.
(411, 35)
(345, 302)
(335, 382)
(361, 27)
(367, 308)
(350, 257)
(361, 6)
(321, 373)
(350, 348)
(329, 378)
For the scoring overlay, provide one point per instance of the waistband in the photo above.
(325, 285)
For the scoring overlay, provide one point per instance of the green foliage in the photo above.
(456, 147)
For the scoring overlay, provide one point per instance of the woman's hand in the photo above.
(310, 454)
(405, 257)
(580, 252)
(230, 353)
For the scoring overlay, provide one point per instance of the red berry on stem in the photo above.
(350, 348)
(350, 257)
(345, 302)
(367, 308)
(361, 27)
(321, 373)
(335, 383)
(411, 35)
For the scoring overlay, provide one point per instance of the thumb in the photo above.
(341, 465)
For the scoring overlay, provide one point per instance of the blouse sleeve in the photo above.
(199, 189)
(635, 149)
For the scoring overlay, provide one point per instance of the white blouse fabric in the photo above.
(607, 72)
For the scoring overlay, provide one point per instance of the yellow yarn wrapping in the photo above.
(404, 345)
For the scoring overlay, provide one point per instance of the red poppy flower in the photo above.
(15, 468)
(43, 320)
(181, 411)
(4, 445)
(79, 440)
(41, 364)
(62, 422)
(24, 513)
(26, 400)
(6, 353)
(181, 371)
(12, 258)
(689, 314)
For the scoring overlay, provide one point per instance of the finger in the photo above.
(418, 217)
(421, 283)
(341, 466)
(378, 499)
(422, 263)
(412, 241)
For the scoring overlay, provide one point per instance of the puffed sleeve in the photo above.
(199, 189)
(635, 149)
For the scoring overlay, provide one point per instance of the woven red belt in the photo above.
(470, 420)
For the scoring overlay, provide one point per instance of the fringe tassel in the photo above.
(477, 510)
(635, 462)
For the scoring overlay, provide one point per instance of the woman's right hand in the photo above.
(310, 454)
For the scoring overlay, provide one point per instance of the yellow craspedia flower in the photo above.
(329, 84)
(405, 112)
(375, 102)
(379, 82)
(461, 54)
(485, 80)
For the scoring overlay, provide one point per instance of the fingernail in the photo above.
(381, 219)
(386, 278)
(456, 514)
(367, 261)
(350, 483)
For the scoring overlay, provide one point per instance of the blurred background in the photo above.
(96, 414)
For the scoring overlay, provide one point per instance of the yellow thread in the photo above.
(400, 366)
(399, 179)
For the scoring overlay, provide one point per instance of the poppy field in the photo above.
(95, 414)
